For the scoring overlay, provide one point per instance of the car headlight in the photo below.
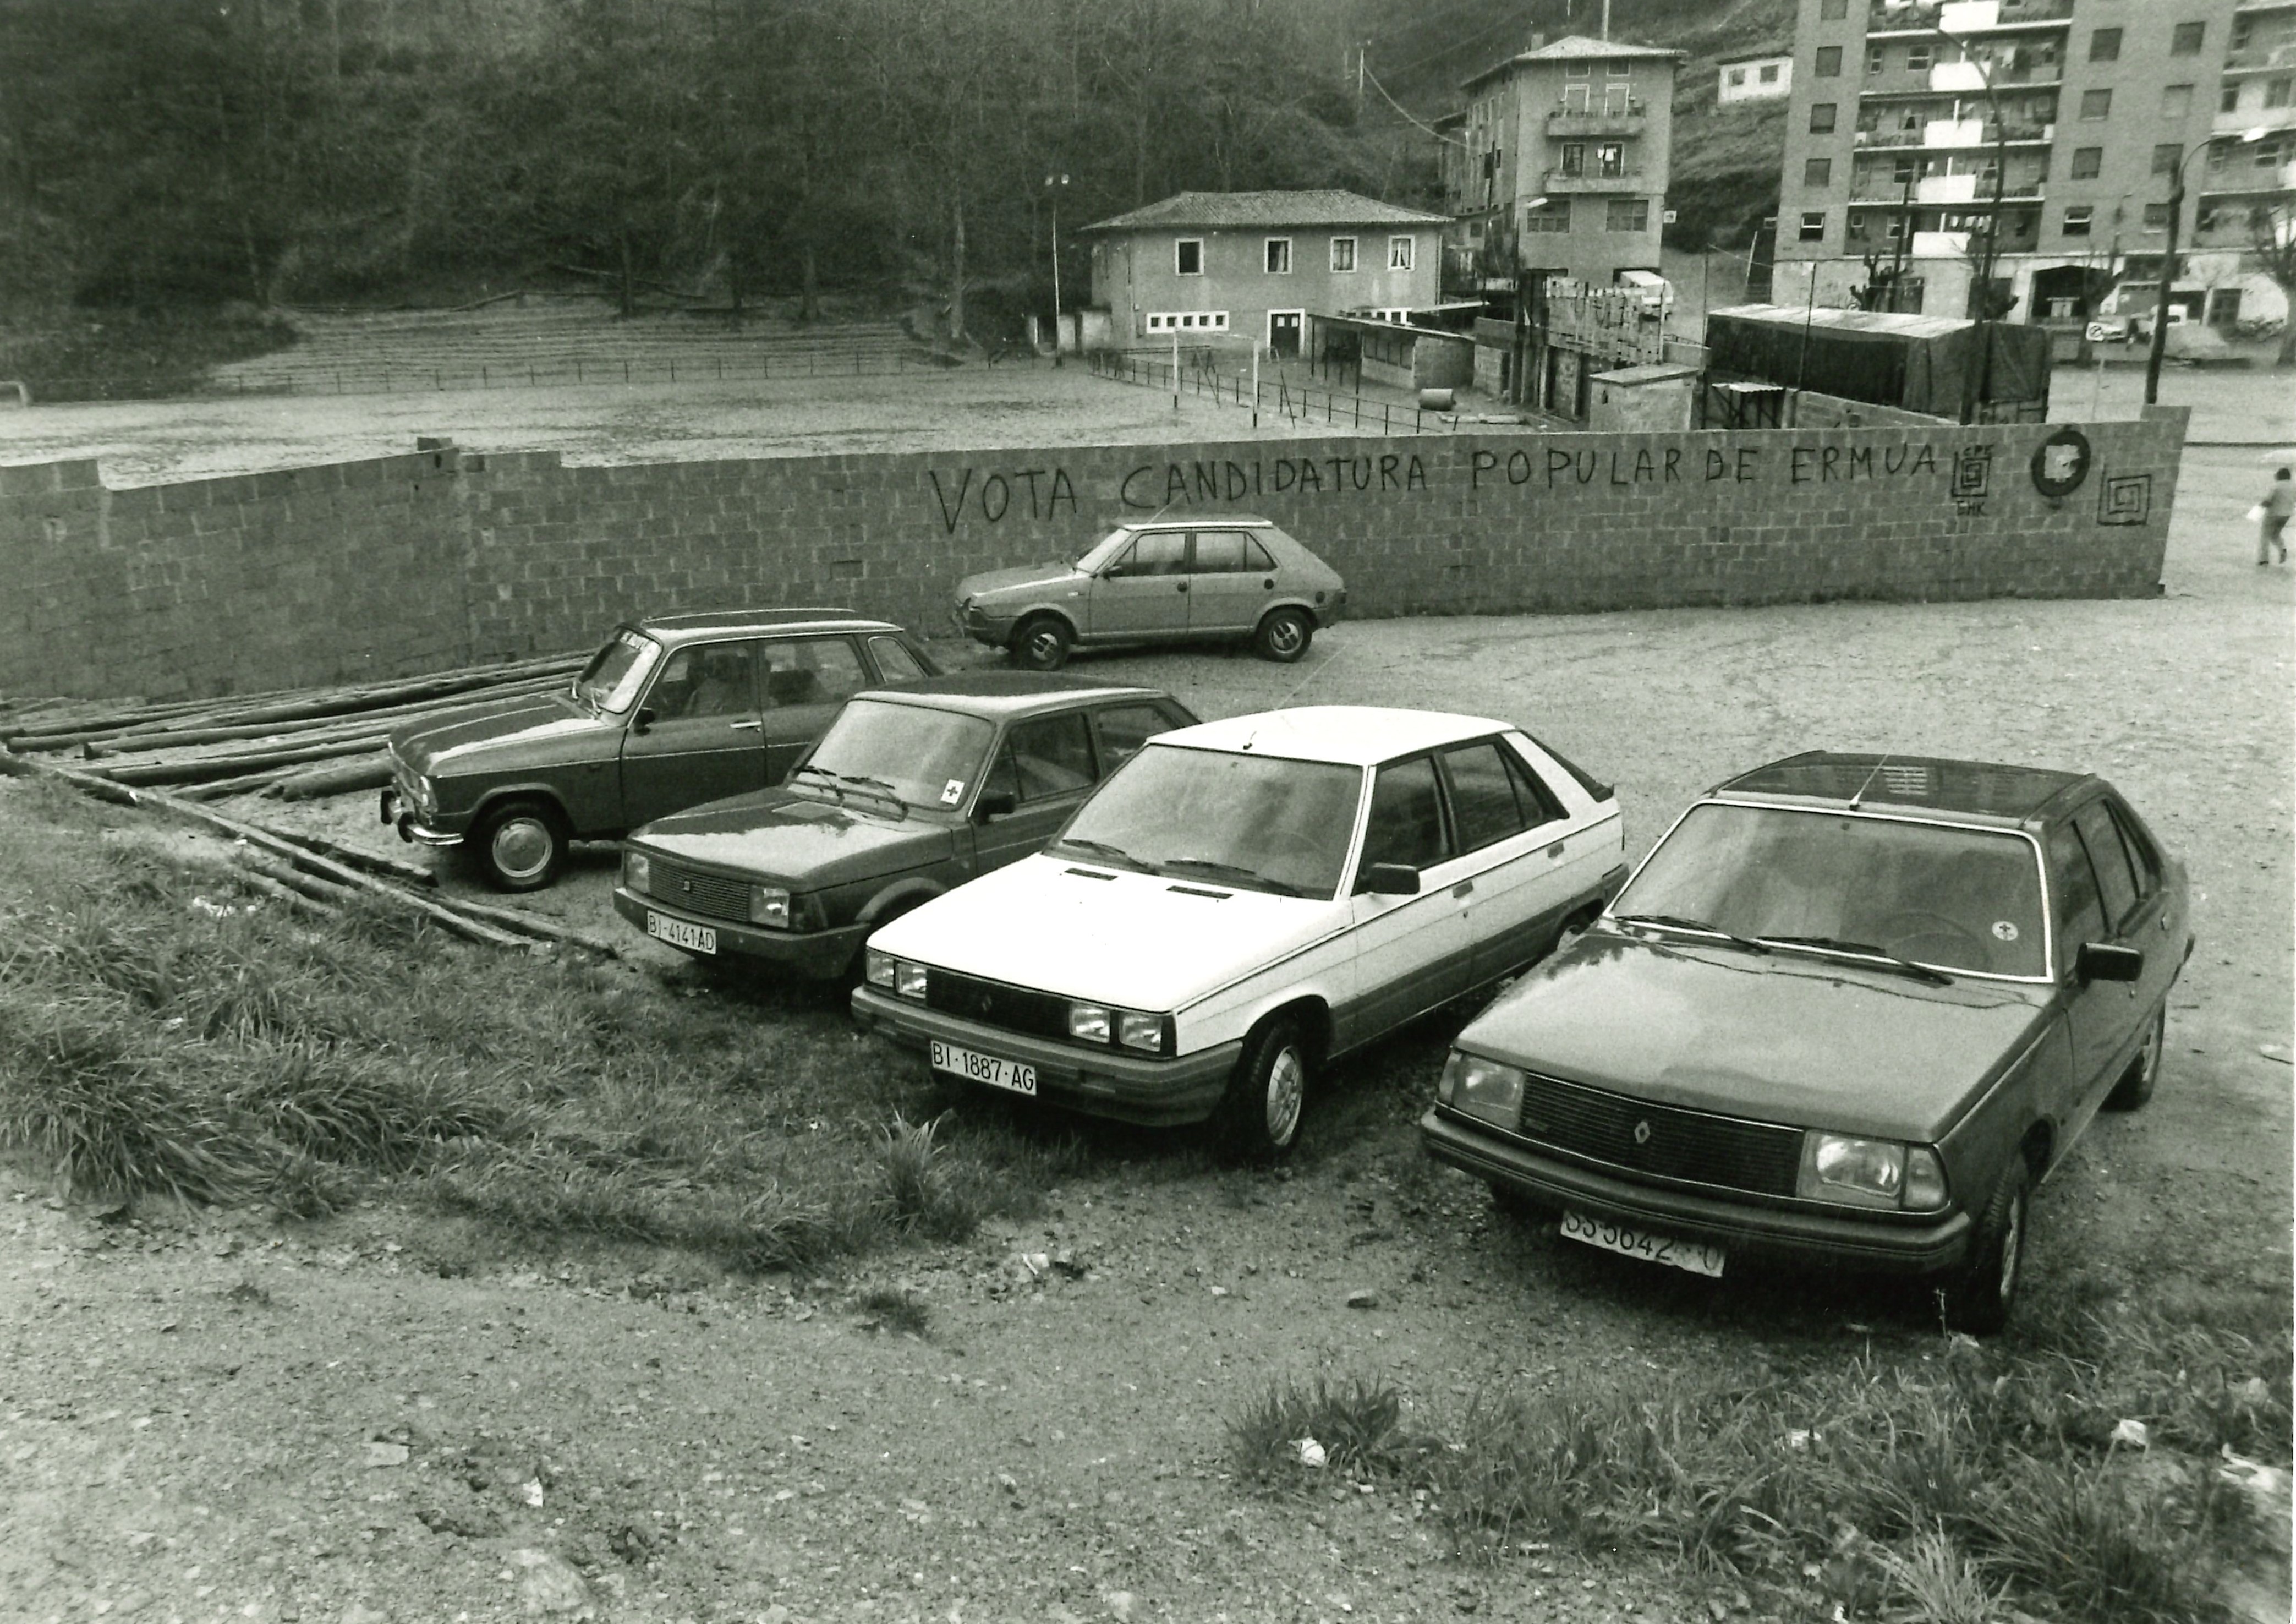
(1870, 1173)
(426, 796)
(637, 871)
(1479, 1088)
(908, 980)
(769, 904)
(1088, 1022)
(1136, 1031)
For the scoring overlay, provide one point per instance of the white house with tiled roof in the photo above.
(1561, 163)
(1255, 265)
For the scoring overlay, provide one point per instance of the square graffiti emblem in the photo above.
(2124, 498)
(1972, 472)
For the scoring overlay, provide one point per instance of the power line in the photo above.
(1408, 117)
(1456, 44)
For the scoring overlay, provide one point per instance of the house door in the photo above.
(1283, 333)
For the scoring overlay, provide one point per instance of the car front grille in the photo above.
(1663, 1141)
(716, 895)
(994, 1004)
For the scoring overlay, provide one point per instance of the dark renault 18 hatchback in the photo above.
(1850, 1010)
(674, 710)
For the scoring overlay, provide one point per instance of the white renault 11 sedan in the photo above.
(1243, 902)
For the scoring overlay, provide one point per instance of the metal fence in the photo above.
(1197, 375)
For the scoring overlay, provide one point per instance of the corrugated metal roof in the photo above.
(1878, 322)
(1328, 207)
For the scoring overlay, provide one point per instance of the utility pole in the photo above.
(1606, 21)
(2160, 345)
(1363, 50)
(1055, 184)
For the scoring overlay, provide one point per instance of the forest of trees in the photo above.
(180, 152)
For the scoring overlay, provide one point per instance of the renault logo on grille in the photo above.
(983, 1003)
(686, 886)
(1642, 1133)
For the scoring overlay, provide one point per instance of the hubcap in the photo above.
(1044, 645)
(521, 848)
(1287, 1086)
(1283, 636)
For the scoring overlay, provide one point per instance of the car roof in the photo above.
(1200, 521)
(685, 628)
(1357, 735)
(1000, 694)
(1982, 789)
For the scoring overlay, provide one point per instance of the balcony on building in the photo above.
(2241, 121)
(1967, 192)
(1626, 181)
(2270, 56)
(1569, 123)
(2248, 180)
(1965, 17)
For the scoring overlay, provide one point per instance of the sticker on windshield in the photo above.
(2006, 929)
(952, 791)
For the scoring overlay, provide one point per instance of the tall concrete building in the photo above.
(1559, 163)
(1912, 125)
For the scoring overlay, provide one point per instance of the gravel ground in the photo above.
(202, 1415)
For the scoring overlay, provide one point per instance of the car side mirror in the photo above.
(1115, 572)
(2106, 961)
(643, 719)
(1392, 880)
(994, 803)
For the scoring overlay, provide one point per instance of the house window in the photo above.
(2156, 217)
(1832, 11)
(1817, 172)
(2105, 45)
(1770, 70)
(1279, 255)
(1578, 70)
(2097, 104)
(1917, 59)
(1398, 253)
(1857, 228)
(2087, 161)
(1574, 158)
(2228, 99)
(2184, 39)
(1555, 217)
(1188, 256)
(1612, 155)
(2076, 218)
(2278, 93)
(1821, 118)
(1187, 321)
(1626, 214)
(1616, 69)
(1737, 77)
(1343, 251)
(1813, 225)
(1829, 63)
(1904, 169)
(2166, 156)
(2177, 102)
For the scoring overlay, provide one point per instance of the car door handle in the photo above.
(1183, 586)
(1556, 850)
(1465, 888)
(748, 726)
(1270, 585)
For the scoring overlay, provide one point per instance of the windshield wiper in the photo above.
(1675, 922)
(1101, 849)
(859, 781)
(1834, 944)
(1233, 871)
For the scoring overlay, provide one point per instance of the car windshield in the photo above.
(1104, 549)
(1954, 899)
(927, 757)
(1258, 822)
(616, 672)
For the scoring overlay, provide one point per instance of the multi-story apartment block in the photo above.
(1559, 163)
(1917, 130)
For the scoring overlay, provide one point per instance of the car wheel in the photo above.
(1259, 1117)
(1978, 1299)
(1283, 636)
(520, 845)
(2136, 1084)
(1041, 644)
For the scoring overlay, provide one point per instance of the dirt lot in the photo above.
(204, 1417)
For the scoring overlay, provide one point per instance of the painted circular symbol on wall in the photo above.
(2006, 929)
(2061, 463)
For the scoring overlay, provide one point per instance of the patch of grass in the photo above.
(1357, 1423)
(913, 1182)
(896, 1313)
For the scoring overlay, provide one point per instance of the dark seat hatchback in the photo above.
(913, 790)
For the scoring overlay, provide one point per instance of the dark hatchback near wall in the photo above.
(911, 792)
(673, 710)
(1850, 1010)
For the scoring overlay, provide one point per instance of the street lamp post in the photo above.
(2158, 346)
(1055, 184)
